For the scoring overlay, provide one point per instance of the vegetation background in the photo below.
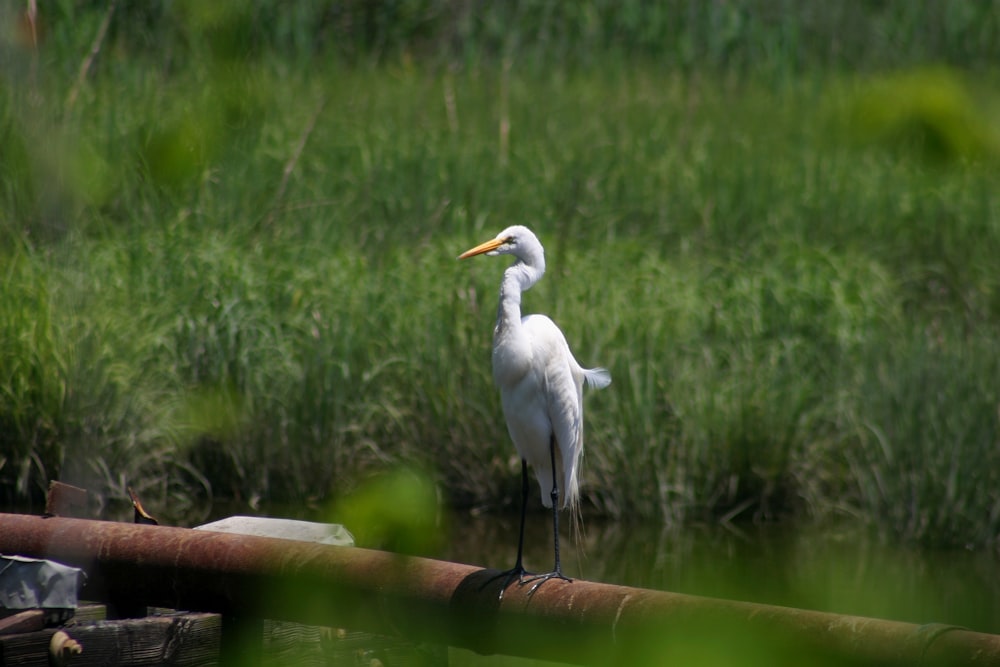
(228, 235)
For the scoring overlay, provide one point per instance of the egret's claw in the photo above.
(539, 579)
(517, 572)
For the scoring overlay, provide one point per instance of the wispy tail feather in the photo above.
(598, 378)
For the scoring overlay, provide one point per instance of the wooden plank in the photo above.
(90, 611)
(30, 649)
(67, 500)
(287, 643)
(33, 620)
(178, 640)
(29, 620)
(345, 647)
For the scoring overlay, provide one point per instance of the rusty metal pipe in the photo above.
(435, 601)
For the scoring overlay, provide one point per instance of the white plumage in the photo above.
(541, 383)
(541, 390)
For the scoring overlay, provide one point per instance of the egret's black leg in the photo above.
(518, 571)
(540, 579)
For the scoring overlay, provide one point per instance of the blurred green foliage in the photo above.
(398, 511)
(927, 113)
(739, 36)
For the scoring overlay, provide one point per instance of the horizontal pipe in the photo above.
(435, 601)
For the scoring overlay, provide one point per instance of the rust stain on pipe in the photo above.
(429, 600)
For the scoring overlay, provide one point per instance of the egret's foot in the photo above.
(538, 579)
(517, 572)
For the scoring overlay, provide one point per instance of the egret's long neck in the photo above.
(518, 277)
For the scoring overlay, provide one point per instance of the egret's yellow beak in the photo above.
(492, 244)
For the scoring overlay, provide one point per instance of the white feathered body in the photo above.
(541, 383)
(541, 389)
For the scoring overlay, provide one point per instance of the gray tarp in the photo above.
(31, 583)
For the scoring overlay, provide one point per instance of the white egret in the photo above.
(541, 390)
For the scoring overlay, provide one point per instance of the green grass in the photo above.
(797, 298)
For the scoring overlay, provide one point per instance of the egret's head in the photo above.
(517, 240)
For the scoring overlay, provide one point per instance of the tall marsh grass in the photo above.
(236, 276)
